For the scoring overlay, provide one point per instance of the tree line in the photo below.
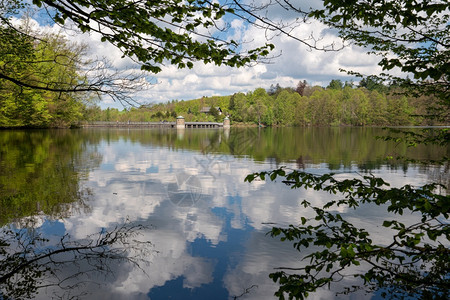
(371, 103)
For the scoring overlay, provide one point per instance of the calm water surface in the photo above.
(206, 226)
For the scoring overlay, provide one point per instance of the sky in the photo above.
(292, 62)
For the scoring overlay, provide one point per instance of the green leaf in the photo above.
(387, 223)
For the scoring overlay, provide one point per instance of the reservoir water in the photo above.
(197, 230)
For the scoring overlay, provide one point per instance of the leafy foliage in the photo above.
(153, 32)
(414, 263)
(29, 72)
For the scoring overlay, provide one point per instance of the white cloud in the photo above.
(296, 62)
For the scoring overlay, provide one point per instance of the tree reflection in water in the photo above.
(31, 263)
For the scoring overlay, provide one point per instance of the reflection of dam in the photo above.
(152, 124)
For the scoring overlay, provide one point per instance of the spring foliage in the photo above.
(286, 107)
(414, 263)
(29, 71)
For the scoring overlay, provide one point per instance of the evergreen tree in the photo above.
(335, 84)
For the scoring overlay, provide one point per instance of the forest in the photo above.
(339, 104)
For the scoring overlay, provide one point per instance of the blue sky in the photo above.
(293, 62)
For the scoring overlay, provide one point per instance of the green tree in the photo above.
(357, 106)
(372, 83)
(398, 111)
(283, 107)
(268, 117)
(377, 109)
(260, 110)
(38, 64)
(260, 101)
(300, 112)
(335, 84)
(231, 105)
(239, 101)
(322, 107)
(214, 112)
(91, 113)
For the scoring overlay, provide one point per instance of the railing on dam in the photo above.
(202, 124)
(127, 124)
(151, 124)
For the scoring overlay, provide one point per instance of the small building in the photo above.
(206, 110)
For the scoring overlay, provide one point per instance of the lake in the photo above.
(196, 230)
